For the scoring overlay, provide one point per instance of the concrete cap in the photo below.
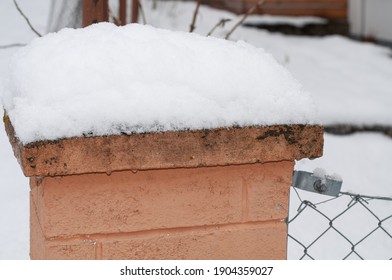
(174, 149)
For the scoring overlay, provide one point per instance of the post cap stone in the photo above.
(170, 149)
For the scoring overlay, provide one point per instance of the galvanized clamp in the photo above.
(307, 181)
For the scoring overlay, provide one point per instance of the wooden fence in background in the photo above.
(331, 9)
(97, 10)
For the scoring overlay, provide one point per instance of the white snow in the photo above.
(14, 204)
(350, 81)
(336, 70)
(322, 174)
(297, 21)
(319, 172)
(336, 177)
(363, 161)
(105, 79)
(14, 187)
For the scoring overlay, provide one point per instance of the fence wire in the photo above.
(350, 226)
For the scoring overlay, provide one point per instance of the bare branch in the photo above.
(192, 27)
(248, 13)
(222, 23)
(15, 45)
(27, 20)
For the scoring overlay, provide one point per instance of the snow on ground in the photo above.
(14, 187)
(355, 225)
(105, 80)
(14, 204)
(350, 81)
(356, 75)
(363, 160)
(13, 28)
(287, 20)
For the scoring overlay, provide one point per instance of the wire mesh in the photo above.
(350, 226)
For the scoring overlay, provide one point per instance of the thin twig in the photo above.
(142, 13)
(222, 23)
(15, 45)
(248, 13)
(27, 20)
(192, 27)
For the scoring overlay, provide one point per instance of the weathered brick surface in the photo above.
(173, 149)
(36, 199)
(258, 241)
(127, 210)
(82, 250)
(127, 201)
(37, 239)
(268, 192)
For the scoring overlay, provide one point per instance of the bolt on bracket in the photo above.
(323, 185)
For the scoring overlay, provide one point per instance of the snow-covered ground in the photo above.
(363, 160)
(14, 187)
(350, 81)
(287, 20)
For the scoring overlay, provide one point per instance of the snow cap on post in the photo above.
(105, 80)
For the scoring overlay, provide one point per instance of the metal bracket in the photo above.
(309, 182)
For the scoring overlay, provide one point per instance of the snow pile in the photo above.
(106, 80)
(296, 21)
(322, 174)
(319, 173)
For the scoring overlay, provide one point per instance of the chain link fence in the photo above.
(350, 226)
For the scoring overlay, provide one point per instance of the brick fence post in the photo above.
(203, 194)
